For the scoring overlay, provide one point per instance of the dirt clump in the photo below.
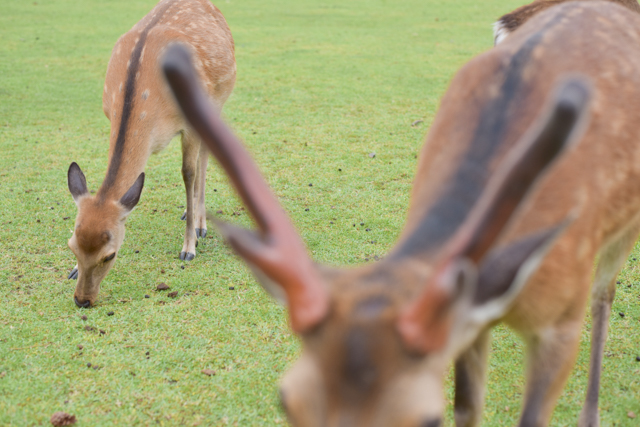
(60, 419)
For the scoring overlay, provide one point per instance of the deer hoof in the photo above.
(184, 216)
(201, 232)
(187, 256)
(74, 274)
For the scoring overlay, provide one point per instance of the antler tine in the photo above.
(419, 324)
(280, 252)
(522, 168)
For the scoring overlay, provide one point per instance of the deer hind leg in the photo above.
(190, 153)
(201, 179)
(470, 374)
(612, 258)
(199, 194)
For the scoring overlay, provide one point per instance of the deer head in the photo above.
(98, 232)
(377, 338)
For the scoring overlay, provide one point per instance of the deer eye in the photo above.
(109, 258)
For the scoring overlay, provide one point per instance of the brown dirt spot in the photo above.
(60, 419)
(162, 287)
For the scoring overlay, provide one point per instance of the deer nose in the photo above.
(81, 304)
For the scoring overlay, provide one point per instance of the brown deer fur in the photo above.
(144, 119)
(483, 242)
(511, 21)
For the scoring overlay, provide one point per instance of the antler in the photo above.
(421, 325)
(279, 251)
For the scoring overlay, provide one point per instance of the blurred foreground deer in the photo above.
(144, 119)
(506, 219)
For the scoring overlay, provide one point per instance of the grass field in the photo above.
(320, 86)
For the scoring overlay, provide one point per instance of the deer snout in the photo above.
(88, 286)
(85, 298)
(81, 304)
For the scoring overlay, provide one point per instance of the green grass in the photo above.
(336, 80)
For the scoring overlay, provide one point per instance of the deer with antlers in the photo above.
(144, 119)
(530, 169)
(508, 23)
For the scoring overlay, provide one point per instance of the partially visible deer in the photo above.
(144, 119)
(497, 231)
(511, 21)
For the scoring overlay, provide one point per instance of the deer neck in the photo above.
(128, 157)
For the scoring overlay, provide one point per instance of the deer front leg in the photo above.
(190, 152)
(470, 374)
(600, 312)
(201, 179)
(611, 260)
(552, 353)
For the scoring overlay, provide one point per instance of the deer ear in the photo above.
(132, 196)
(250, 246)
(77, 182)
(502, 274)
(449, 292)
(505, 270)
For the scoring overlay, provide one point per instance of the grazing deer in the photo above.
(511, 21)
(144, 119)
(495, 232)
